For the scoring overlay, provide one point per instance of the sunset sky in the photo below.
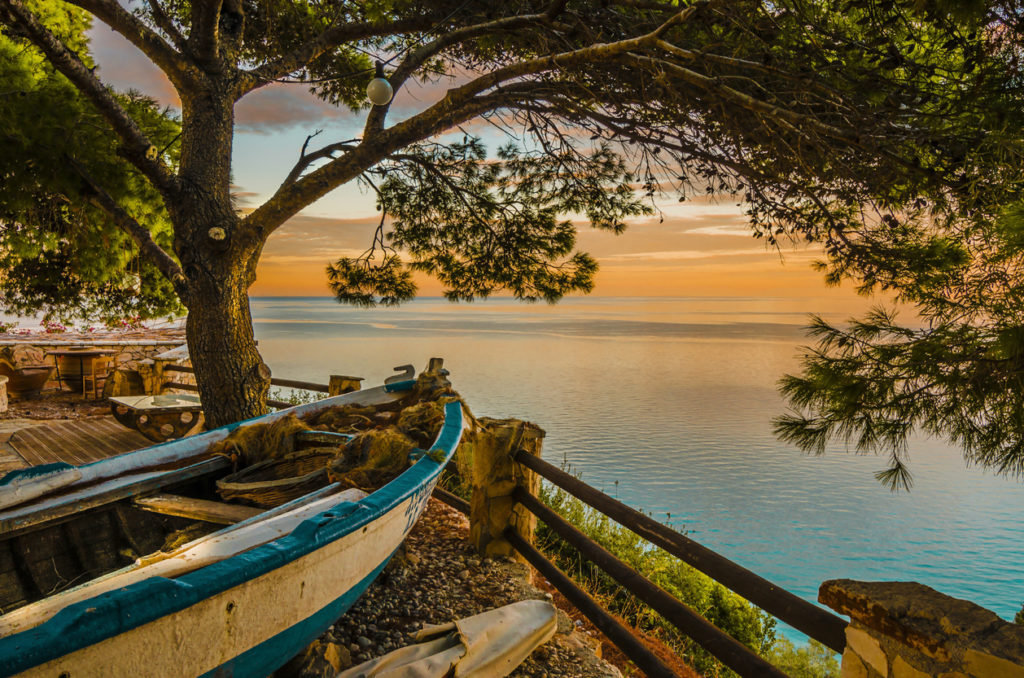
(702, 248)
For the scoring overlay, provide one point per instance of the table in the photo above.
(76, 380)
(159, 417)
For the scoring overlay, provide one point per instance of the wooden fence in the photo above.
(339, 384)
(817, 623)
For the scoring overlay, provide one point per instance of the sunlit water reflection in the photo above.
(667, 404)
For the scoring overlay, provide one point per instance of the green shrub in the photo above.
(813, 660)
(296, 396)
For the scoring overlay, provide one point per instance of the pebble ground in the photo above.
(434, 579)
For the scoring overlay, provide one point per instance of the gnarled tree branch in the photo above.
(307, 159)
(459, 105)
(416, 59)
(326, 41)
(137, 148)
(165, 24)
(139, 233)
(204, 37)
(142, 36)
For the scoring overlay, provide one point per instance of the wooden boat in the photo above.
(77, 600)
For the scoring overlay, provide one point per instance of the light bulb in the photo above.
(379, 91)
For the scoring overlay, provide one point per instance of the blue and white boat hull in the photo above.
(243, 616)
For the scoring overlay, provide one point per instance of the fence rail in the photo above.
(823, 626)
(727, 649)
(456, 502)
(623, 638)
(287, 383)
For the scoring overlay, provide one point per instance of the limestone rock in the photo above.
(952, 631)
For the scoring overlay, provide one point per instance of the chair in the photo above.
(95, 374)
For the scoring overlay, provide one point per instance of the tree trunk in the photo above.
(218, 258)
(232, 377)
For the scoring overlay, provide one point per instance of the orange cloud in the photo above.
(708, 253)
(280, 106)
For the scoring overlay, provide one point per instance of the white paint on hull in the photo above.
(189, 557)
(212, 632)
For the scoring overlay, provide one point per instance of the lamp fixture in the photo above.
(379, 91)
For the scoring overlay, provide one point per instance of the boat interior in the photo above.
(71, 544)
(77, 535)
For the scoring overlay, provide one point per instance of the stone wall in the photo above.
(128, 355)
(133, 356)
(908, 630)
(129, 351)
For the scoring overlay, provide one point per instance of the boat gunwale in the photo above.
(104, 616)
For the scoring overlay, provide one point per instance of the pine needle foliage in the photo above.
(957, 373)
(59, 253)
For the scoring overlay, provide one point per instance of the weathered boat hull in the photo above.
(244, 616)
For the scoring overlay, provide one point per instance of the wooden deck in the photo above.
(75, 441)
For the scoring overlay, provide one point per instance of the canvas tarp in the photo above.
(487, 645)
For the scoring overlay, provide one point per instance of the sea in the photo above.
(666, 404)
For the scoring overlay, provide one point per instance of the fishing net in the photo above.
(371, 459)
(385, 437)
(248, 445)
(422, 422)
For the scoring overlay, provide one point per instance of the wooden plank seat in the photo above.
(196, 509)
(61, 507)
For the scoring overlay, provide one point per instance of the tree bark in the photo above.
(233, 379)
(218, 257)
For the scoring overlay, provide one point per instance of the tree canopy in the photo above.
(952, 367)
(830, 120)
(60, 252)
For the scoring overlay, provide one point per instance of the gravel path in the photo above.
(436, 578)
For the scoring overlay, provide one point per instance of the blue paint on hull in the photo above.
(109, 614)
(273, 653)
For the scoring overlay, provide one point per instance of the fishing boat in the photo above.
(90, 586)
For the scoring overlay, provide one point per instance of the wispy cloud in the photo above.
(678, 255)
(281, 106)
(123, 66)
(732, 230)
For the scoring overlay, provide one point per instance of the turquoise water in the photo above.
(667, 404)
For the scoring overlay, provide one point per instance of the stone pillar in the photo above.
(341, 384)
(495, 475)
(3, 393)
(908, 630)
(151, 381)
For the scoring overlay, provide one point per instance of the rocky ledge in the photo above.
(435, 578)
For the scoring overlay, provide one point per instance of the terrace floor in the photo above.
(77, 442)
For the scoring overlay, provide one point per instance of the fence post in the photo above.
(341, 384)
(495, 477)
